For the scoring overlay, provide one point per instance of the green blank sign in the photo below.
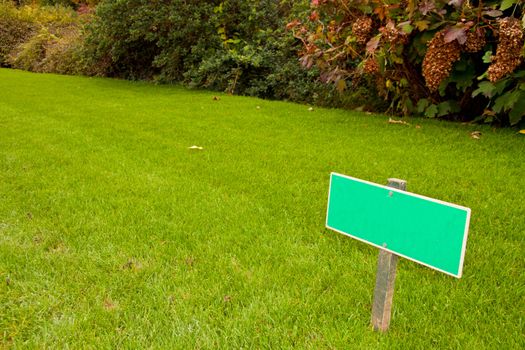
(428, 231)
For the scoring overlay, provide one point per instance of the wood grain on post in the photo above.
(385, 279)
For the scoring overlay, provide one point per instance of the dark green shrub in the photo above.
(237, 46)
(151, 39)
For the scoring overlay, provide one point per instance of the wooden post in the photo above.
(385, 279)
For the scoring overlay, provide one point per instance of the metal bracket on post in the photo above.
(385, 279)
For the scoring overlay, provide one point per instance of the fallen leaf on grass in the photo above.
(394, 121)
(418, 126)
(56, 248)
(311, 109)
(132, 265)
(476, 135)
(109, 304)
(216, 98)
(196, 147)
(189, 261)
(522, 131)
(227, 298)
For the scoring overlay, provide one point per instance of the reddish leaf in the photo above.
(293, 24)
(381, 12)
(426, 6)
(372, 44)
(456, 33)
(456, 3)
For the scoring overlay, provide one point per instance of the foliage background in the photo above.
(413, 57)
(436, 58)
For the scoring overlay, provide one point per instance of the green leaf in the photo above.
(498, 105)
(505, 4)
(519, 74)
(407, 28)
(486, 88)
(506, 101)
(487, 57)
(233, 41)
(436, 25)
(396, 59)
(431, 111)
(443, 109)
(422, 105)
(463, 75)
(448, 107)
(500, 86)
(518, 110)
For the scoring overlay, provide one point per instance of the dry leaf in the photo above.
(189, 261)
(393, 121)
(195, 147)
(418, 126)
(132, 264)
(109, 304)
(311, 109)
(522, 131)
(216, 98)
(475, 135)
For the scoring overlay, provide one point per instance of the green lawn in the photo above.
(114, 234)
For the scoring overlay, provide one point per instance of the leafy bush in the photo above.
(64, 3)
(461, 59)
(45, 52)
(29, 55)
(48, 39)
(139, 39)
(64, 53)
(236, 46)
(15, 28)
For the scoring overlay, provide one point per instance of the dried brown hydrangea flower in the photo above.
(439, 60)
(508, 54)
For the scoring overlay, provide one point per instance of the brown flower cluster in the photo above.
(371, 66)
(439, 60)
(475, 41)
(362, 27)
(391, 34)
(508, 54)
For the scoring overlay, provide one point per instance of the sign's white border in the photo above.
(465, 234)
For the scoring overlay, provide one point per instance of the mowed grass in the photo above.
(114, 234)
